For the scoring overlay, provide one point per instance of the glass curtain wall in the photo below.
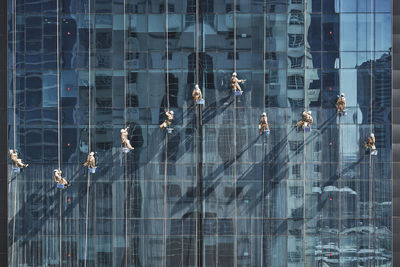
(213, 192)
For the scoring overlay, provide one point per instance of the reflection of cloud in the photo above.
(332, 188)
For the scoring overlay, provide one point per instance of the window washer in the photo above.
(169, 114)
(235, 82)
(16, 161)
(263, 123)
(59, 179)
(124, 139)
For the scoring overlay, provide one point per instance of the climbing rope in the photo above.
(59, 121)
(234, 144)
(304, 138)
(15, 120)
(263, 144)
(125, 125)
(166, 136)
(89, 130)
(199, 186)
(371, 173)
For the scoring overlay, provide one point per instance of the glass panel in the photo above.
(288, 197)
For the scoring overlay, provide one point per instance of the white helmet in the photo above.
(11, 151)
(122, 130)
(372, 135)
(309, 112)
(342, 94)
(264, 114)
(55, 170)
(172, 112)
(196, 86)
(234, 74)
(91, 154)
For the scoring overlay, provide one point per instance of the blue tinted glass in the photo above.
(290, 196)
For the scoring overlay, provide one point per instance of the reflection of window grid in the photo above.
(295, 82)
(296, 17)
(296, 146)
(271, 101)
(296, 40)
(296, 191)
(379, 137)
(270, 56)
(272, 76)
(296, 103)
(173, 190)
(296, 171)
(317, 168)
(297, 1)
(171, 8)
(296, 62)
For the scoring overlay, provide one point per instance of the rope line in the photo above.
(371, 174)
(125, 125)
(15, 120)
(167, 51)
(197, 42)
(234, 145)
(59, 120)
(58, 87)
(89, 131)
(166, 138)
(263, 144)
(199, 209)
(15, 71)
(125, 74)
(234, 35)
(304, 140)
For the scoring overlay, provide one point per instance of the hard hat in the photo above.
(372, 135)
(196, 86)
(264, 114)
(309, 112)
(122, 130)
(234, 74)
(55, 170)
(342, 94)
(172, 112)
(91, 153)
(11, 151)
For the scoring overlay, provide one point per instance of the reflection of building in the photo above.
(381, 97)
(186, 198)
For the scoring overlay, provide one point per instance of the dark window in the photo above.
(272, 76)
(296, 17)
(296, 62)
(296, 146)
(296, 191)
(296, 172)
(296, 40)
(132, 78)
(230, 55)
(171, 8)
(270, 56)
(268, 32)
(296, 103)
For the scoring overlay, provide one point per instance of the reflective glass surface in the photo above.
(214, 192)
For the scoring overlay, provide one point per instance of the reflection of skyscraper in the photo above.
(186, 198)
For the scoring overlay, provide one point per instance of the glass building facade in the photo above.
(213, 192)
